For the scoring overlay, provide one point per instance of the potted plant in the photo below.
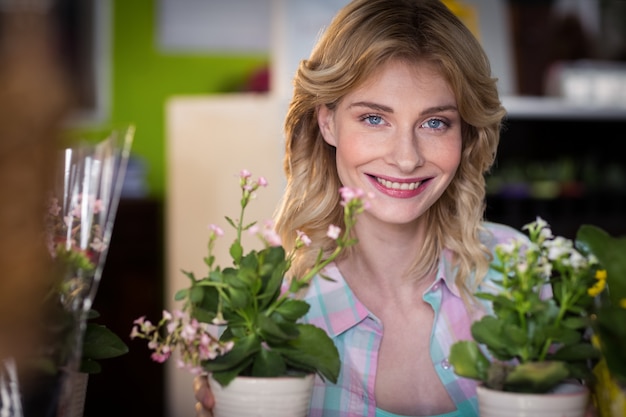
(242, 320)
(610, 387)
(536, 337)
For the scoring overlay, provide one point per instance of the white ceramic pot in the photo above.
(263, 397)
(568, 400)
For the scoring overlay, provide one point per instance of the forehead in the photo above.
(401, 79)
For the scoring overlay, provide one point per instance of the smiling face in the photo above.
(399, 136)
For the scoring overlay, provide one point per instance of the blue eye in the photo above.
(435, 124)
(373, 119)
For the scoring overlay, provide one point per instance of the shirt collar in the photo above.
(333, 305)
(335, 308)
(446, 272)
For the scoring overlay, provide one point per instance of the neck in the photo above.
(381, 262)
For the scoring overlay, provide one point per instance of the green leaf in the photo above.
(271, 331)
(271, 290)
(275, 255)
(196, 294)
(536, 377)
(236, 251)
(268, 364)
(468, 360)
(101, 343)
(226, 376)
(89, 366)
(515, 335)
(293, 309)
(250, 261)
(488, 331)
(564, 335)
(203, 315)
(92, 314)
(312, 349)
(181, 294)
(575, 323)
(209, 260)
(238, 298)
(189, 275)
(577, 352)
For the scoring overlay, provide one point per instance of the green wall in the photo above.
(143, 78)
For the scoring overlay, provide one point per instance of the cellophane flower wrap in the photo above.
(79, 221)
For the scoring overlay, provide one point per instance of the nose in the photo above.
(407, 151)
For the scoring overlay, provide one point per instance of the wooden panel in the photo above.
(209, 141)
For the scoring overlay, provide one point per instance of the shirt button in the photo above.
(436, 287)
(445, 364)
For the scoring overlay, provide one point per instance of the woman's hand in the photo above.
(204, 396)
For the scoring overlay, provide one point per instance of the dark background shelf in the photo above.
(131, 286)
(592, 151)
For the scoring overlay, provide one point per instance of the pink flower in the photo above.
(302, 237)
(140, 320)
(333, 232)
(160, 357)
(216, 230)
(134, 332)
(348, 194)
(271, 237)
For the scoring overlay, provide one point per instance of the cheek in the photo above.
(450, 156)
(351, 152)
(455, 159)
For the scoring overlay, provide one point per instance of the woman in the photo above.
(396, 99)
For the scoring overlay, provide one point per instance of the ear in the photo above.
(326, 123)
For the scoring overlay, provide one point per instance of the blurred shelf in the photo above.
(530, 107)
(565, 215)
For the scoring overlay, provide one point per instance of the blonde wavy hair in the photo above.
(363, 36)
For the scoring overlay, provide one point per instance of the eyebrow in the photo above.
(383, 108)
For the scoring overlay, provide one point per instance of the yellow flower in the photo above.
(597, 288)
(622, 303)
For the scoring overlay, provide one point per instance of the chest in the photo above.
(390, 358)
(407, 379)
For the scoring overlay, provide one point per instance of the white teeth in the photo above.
(398, 185)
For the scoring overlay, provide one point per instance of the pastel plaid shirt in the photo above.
(358, 334)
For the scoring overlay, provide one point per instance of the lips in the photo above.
(398, 185)
(400, 189)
